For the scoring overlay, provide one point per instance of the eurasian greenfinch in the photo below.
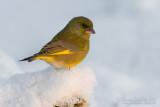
(69, 47)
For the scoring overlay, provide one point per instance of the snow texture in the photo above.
(46, 88)
(8, 66)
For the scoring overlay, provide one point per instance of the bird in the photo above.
(68, 47)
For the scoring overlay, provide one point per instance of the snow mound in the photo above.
(48, 88)
(8, 66)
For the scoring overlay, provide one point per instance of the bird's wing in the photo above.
(59, 47)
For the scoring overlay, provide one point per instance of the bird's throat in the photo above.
(87, 36)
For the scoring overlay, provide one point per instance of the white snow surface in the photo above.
(8, 66)
(47, 87)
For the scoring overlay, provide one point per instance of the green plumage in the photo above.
(69, 47)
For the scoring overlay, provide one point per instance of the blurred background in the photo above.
(124, 52)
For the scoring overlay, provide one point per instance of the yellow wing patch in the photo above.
(51, 57)
(45, 58)
(61, 53)
(65, 52)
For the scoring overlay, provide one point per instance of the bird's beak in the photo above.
(90, 30)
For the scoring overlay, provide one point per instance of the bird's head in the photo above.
(81, 26)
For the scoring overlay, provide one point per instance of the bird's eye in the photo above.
(84, 25)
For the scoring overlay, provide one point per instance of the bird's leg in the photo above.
(69, 68)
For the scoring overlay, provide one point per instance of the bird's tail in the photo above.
(36, 56)
(29, 59)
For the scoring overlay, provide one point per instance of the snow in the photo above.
(47, 87)
(8, 66)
